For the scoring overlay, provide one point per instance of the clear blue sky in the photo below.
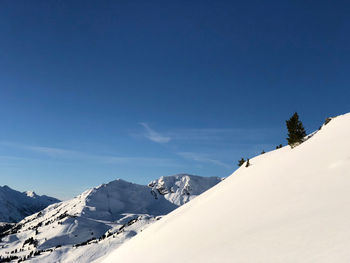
(91, 91)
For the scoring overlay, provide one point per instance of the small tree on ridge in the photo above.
(296, 131)
(240, 162)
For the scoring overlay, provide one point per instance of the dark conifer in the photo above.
(240, 162)
(296, 131)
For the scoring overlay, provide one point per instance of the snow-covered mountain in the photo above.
(87, 227)
(181, 188)
(15, 205)
(289, 205)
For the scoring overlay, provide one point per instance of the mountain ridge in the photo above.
(15, 205)
(108, 214)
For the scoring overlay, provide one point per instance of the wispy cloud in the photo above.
(203, 158)
(48, 151)
(144, 161)
(193, 143)
(9, 157)
(153, 135)
(54, 152)
(207, 136)
(216, 135)
(68, 154)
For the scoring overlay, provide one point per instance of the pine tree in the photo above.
(296, 131)
(248, 163)
(240, 162)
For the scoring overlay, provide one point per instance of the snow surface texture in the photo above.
(14, 205)
(99, 220)
(290, 205)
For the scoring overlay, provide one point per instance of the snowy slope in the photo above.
(14, 205)
(97, 221)
(290, 205)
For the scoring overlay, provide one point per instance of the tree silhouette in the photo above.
(296, 131)
(240, 162)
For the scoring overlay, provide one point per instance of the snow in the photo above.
(290, 205)
(14, 205)
(91, 225)
(180, 189)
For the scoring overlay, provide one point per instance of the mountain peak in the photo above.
(115, 211)
(181, 188)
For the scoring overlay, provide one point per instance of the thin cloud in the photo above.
(54, 152)
(208, 136)
(202, 158)
(153, 135)
(9, 157)
(68, 154)
(144, 161)
(48, 151)
(215, 135)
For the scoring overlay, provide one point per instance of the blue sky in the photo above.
(91, 91)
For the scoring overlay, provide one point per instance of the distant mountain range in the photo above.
(87, 227)
(15, 205)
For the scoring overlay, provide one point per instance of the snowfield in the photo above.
(98, 221)
(290, 205)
